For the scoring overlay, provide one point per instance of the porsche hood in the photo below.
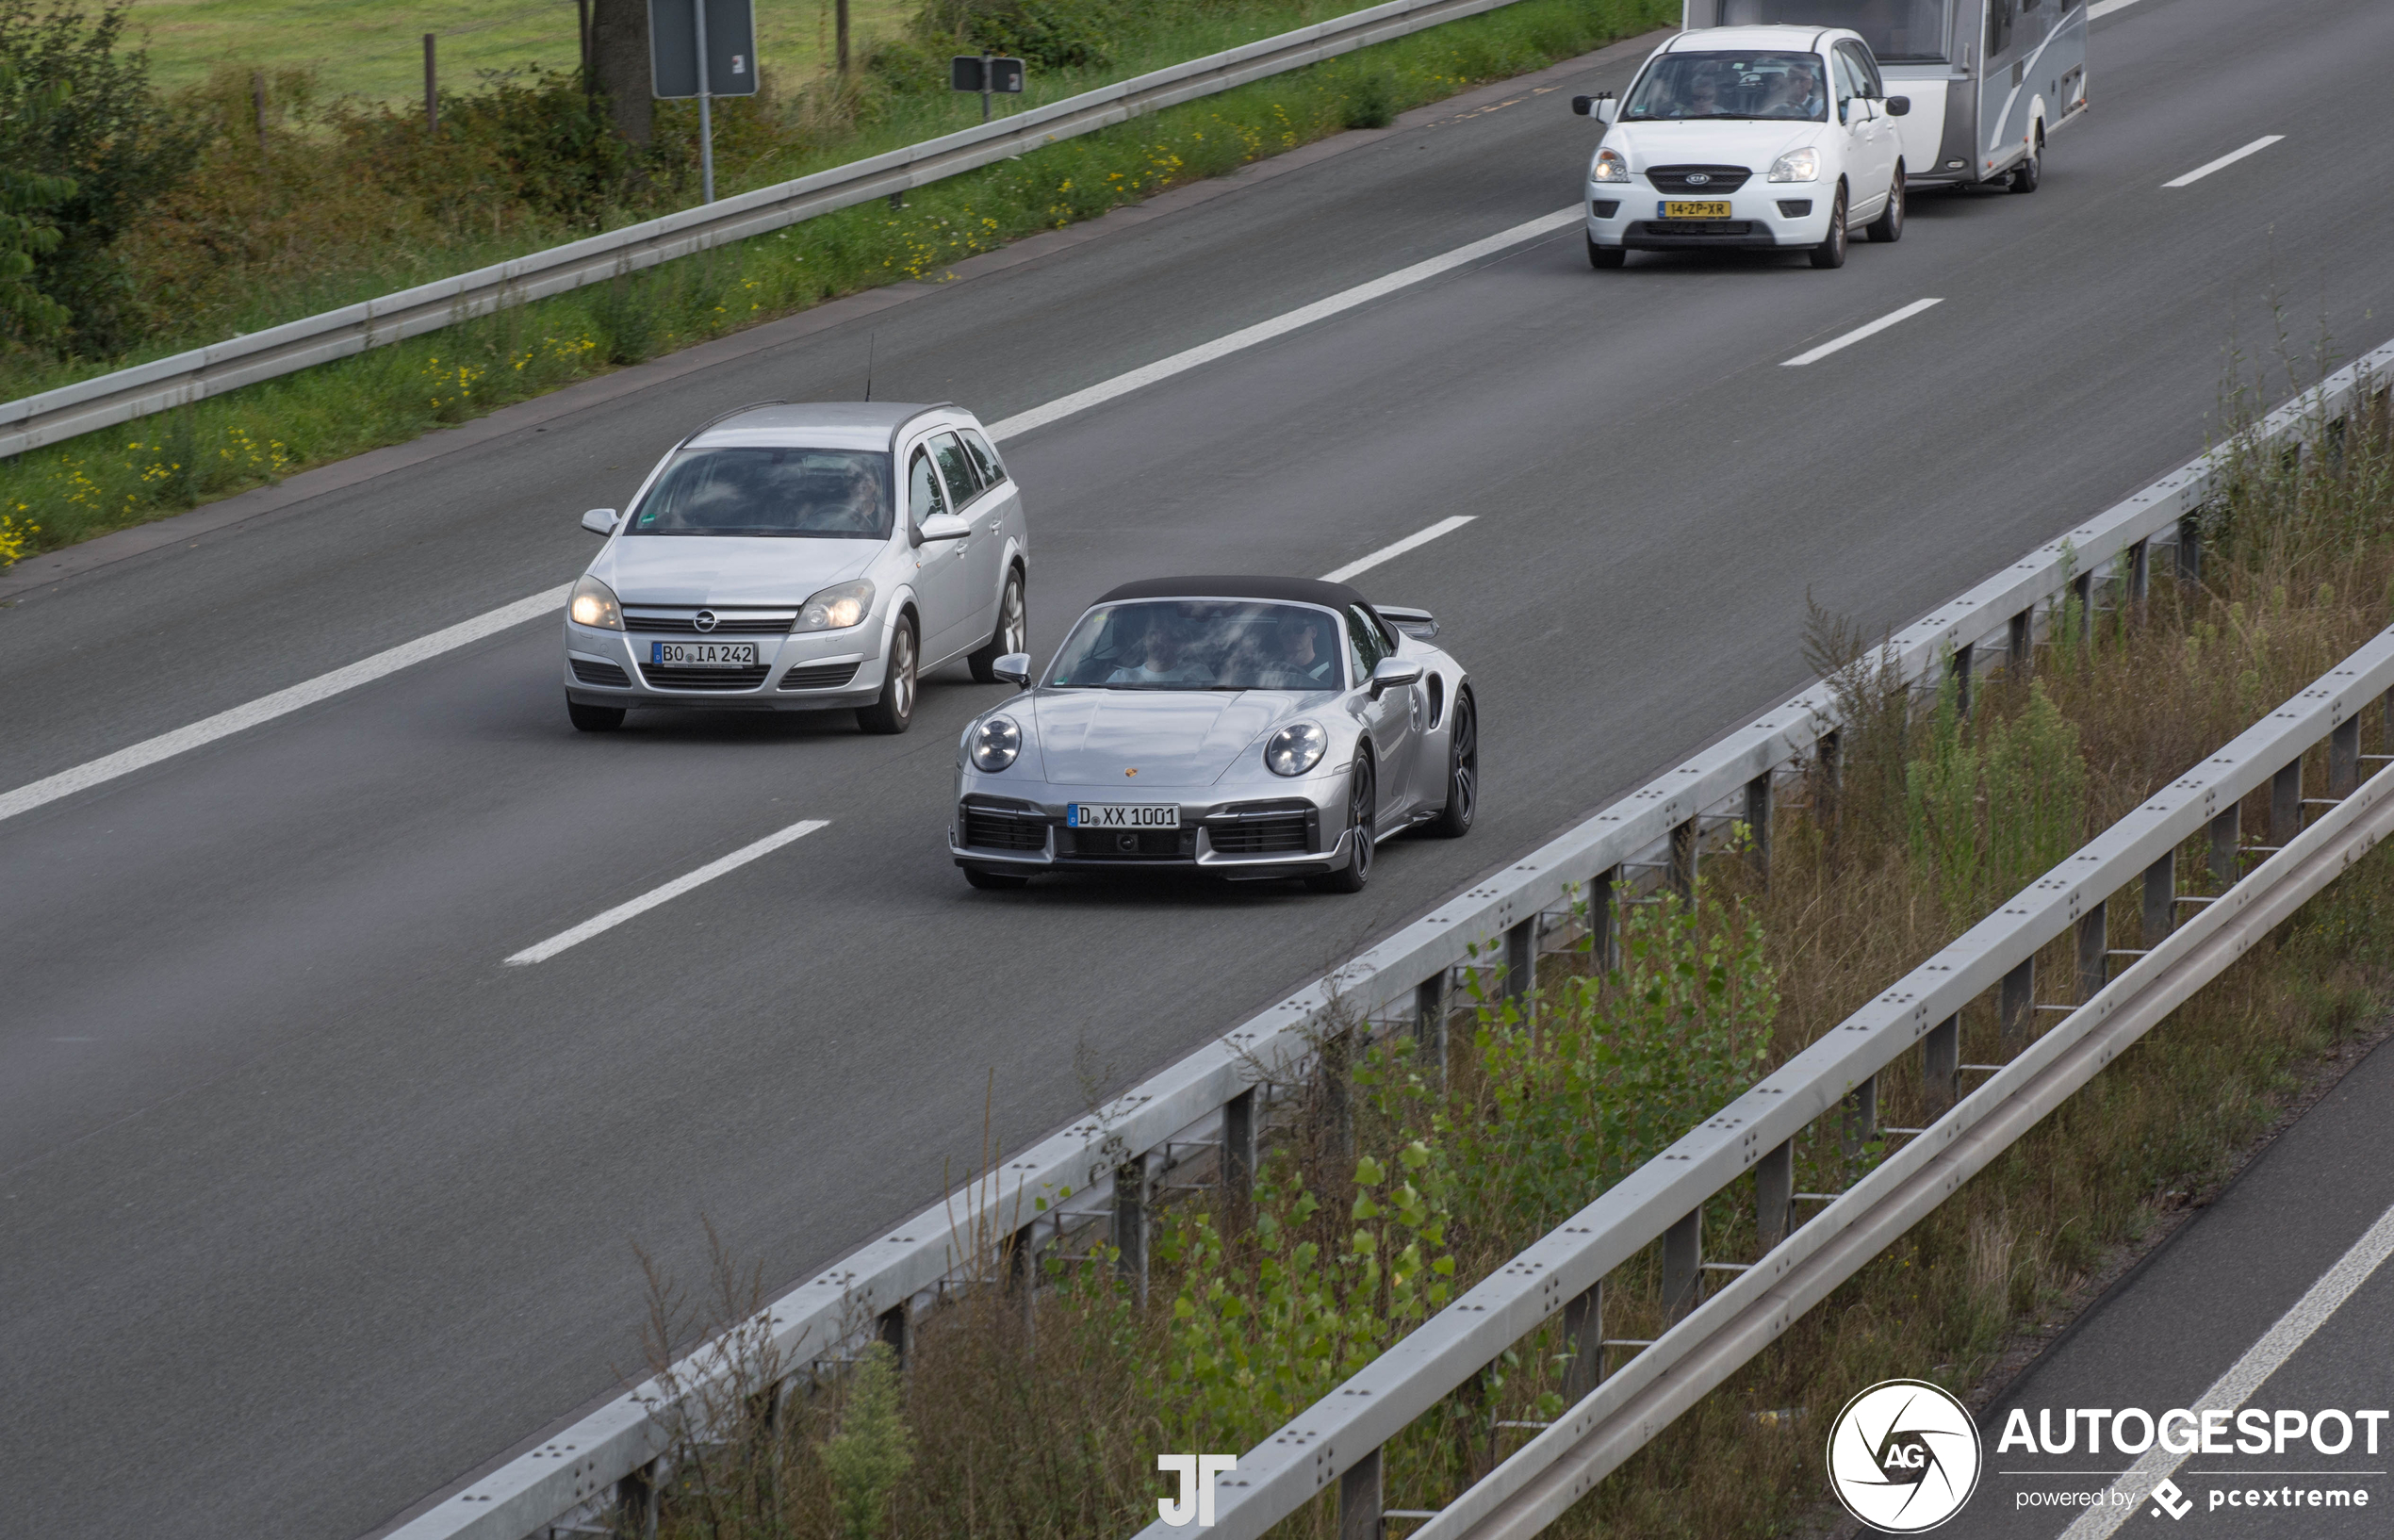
(1170, 737)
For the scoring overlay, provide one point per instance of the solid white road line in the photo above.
(2245, 1376)
(281, 703)
(1264, 331)
(1859, 333)
(150, 752)
(2104, 8)
(1444, 526)
(2229, 159)
(673, 890)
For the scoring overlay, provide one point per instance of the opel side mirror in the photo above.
(1392, 673)
(1014, 668)
(945, 527)
(599, 521)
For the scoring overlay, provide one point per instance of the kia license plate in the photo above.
(1694, 209)
(1122, 815)
(702, 654)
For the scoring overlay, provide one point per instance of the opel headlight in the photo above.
(1609, 167)
(995, 743)
(836, 607)
(1295, 749)
(1796, 166)
(594, 605)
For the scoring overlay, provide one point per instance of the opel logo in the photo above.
(1698, 179)
(704, 620)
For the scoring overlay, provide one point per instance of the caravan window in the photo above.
(1898, 31)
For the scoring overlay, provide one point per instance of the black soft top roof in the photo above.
(1337, 596)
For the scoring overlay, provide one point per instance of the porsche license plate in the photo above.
(1694, 209)
(702, 654)
(1122, 815)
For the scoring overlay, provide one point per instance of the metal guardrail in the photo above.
(125, 394)
(1128, 1140)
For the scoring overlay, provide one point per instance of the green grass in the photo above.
(121, 476)
(355, 48)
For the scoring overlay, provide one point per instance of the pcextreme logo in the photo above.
(1904, 1456)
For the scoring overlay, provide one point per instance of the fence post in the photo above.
(636, 1500)
(1961, 678)
(2344, 756)
(1604, 936)
(1682, 1265)
(1359, 1500)
(1774, 1194)
(2285, 804)
(1682, 868)
(1131, 1200)
(2190, 550)
(2226, 834)
(432, 92)
(2018, 999)
(2092, 973)
(2020, 643)
(895, 1326)
(1583, 1343)
(1432, 999)
(2160, 895)
(1861, 1121)
(1758, 826)
(1940, 1063)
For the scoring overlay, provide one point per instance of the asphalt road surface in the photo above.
(309, 1208)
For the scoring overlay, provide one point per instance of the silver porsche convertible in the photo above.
(1250, 728)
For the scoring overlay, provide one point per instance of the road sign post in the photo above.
(706, 49)
(985, 73)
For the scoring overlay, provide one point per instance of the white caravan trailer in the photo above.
(1988, 79)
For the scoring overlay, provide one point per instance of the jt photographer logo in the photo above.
(1904, 1456)
(1195, 1502)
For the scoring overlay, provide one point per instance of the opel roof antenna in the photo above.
(870, 338)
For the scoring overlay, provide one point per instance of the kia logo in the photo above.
(1698, 179)
(704, 620)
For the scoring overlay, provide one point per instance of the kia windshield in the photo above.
(1201, 644)
(1730, 84)
(816, 493)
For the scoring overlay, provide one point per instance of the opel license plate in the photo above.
(702, 654)
(1691, 208)
(1122, 815)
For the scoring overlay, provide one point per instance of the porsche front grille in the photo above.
(991, 826)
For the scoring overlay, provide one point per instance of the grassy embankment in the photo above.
(309, 224)
(1050, 1429)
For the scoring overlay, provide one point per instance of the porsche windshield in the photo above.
(1201, 644)
(1730, 84)
(818, 493)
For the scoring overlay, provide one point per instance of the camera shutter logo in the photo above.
(1904, 1456)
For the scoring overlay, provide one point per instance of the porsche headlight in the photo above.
(836, 607)
(1295, 749)
(1609, 167)
(995, 744)
(594, 605)
(1796, 166)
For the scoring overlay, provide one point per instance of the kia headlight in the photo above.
(1609, 167)
(836, 607)
(1796, 166)
(1295, 749)
(995, 744)
(594, 605)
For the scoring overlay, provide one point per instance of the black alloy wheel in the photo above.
(1463, 773)
(594, 718)
(894, 711)
(1362, 816)
(1603, 258)
(1889, 228)
(1014, 633)
(1832, 252)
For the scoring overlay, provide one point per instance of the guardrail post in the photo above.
(1861, 1122)
(1604, 936)
(1774, 1194)
(2226, 833)
(895, 1326)
(1022, 1275)
(2018, 1000)
(1432, 1000)
(1337, 1091)
(1359, 1500)
(2160, 899)
(2344, 756)
(2285, 804)
(1758, 826)
(2093, 975)
(2020, 644)
(2385, 733)
(1961, 678)
(1238, 1152)
(1682, 1265)
(2082, 588)
(1826, 751)
(1132, 1199)
(1522, 965)
(1682, 867)
(2140, 575)
(2190, 550)
(1583, 1343)
(1940, 1063)
(636, 1500)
